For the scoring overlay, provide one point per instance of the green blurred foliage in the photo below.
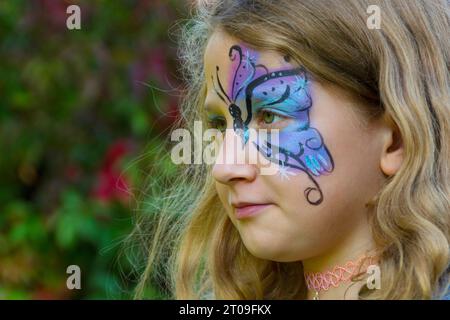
(80, 119)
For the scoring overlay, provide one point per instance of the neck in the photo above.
(348, 251)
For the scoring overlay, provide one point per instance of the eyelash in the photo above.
(216, 122)
(274, 124)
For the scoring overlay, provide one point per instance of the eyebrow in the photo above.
(213, 107)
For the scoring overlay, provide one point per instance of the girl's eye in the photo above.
(271, 120)
(268, 117)
(218, 123)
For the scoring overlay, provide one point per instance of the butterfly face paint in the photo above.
(287, 92)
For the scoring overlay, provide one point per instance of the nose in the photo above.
(232, 162)
(230, 173)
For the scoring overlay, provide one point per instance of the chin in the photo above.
(269, 249)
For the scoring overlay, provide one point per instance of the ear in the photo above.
(392, 153)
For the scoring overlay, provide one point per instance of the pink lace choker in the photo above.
(318, 281)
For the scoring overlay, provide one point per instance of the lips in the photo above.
(246, 209)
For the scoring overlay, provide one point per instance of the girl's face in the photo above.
(327, 157)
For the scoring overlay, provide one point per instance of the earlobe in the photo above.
(392, 152)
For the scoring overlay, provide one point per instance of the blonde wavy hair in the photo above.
(401, 70)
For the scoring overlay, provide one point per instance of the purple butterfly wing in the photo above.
(243, 64)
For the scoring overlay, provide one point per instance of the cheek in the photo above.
(304, 230)
(295, 224)
(355, 149)
(357, 176)
(224, 196)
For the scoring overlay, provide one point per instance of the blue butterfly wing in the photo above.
(300, 146)
(315, 156)
(303, 149)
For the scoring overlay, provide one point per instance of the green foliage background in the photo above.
(82, 113)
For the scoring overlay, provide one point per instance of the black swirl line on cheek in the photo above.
(286, 154)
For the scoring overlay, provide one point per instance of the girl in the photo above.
(359, 206)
